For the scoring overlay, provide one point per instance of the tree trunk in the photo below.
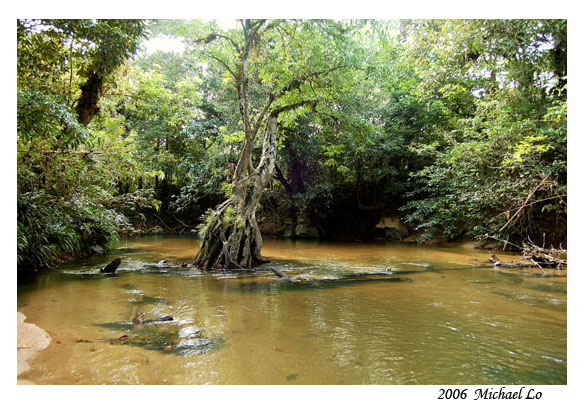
(230, 237)
(87, 104)
(296, 167)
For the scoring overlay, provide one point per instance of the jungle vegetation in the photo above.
(458, 127)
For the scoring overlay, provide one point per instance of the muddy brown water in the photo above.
(440, 316)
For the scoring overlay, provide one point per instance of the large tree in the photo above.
(274, 68)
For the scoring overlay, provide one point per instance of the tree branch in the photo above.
(234, 43)
(224, 64)
(293, 106)
(211, 37)
(280, 177)
(296, 83)
(525, 203)
(260, 118)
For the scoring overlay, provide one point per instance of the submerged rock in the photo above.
(161, 335)
(146, 299)
(197, 346)
(189, 332)
(137, 320)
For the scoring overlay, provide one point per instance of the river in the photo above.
(437, 316)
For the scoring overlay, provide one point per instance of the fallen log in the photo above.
(283, 276)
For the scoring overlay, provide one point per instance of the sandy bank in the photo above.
(30, 339)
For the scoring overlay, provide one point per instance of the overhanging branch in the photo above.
(296, 83)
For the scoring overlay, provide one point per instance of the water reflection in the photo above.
(434, 318)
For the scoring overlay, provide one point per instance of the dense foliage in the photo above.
(499, 160)
(66, 170)
(458, 127)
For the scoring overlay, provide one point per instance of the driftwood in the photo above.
(111, 268)
(532, 255)
(535, 256)
(542, 257)
(283, 276)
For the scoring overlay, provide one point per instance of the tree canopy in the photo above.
(457, 127)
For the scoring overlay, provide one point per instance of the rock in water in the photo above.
(111, 268)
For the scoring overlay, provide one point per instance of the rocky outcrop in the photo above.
(305, 228)
(391, 228)
(289, 228)
(302, 228)
(306, 231)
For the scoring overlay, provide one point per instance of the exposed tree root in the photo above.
(230, 240)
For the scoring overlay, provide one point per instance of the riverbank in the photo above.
(30, 339)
